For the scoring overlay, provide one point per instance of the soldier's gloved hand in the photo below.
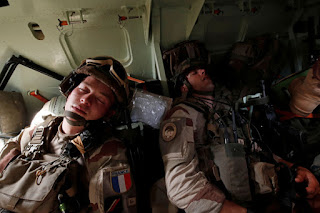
(80, 144)
(87, 139)
(71, 150)
(315, 203)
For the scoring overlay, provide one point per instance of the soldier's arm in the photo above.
(12, 143)
(18, 142)
(187, 186)
(303, 175)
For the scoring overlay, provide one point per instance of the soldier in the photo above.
(94, 91)
(206, 155)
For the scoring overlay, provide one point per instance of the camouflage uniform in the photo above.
(190, 139)
(108, 180)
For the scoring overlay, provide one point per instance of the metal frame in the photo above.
(14, 61)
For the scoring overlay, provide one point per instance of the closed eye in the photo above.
(100, 100)
(83, 90)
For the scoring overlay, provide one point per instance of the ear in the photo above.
(184, 88)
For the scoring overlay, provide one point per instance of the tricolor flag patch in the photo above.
(121, 180)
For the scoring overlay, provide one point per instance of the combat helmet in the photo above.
(182, 71)
(104, 68)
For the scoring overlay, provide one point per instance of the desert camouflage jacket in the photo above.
(104, 172)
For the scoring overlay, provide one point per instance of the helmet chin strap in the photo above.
(78, 120)
(191, 90)
(202, 92)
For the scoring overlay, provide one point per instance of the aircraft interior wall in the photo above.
(57, 35)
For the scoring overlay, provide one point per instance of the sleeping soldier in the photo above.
(100, 180)
(212, 163)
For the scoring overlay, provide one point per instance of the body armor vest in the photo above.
(221, 157)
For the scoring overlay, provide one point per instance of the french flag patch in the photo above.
(121, 180)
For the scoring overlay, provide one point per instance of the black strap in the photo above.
(79, 120)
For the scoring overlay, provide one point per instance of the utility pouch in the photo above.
(265, 177)
(231, 161)
(33, 185)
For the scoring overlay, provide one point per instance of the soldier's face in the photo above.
(91, 99)
(200, 81)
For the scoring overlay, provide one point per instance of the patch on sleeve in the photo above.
(120, 180)
(169, 132)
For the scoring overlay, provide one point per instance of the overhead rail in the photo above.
(14, 61)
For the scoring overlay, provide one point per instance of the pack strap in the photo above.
(287, 115)
(34, 147)
(7, 158)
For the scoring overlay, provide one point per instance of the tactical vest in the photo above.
(224, 155)
(34, 180)
(105, 173)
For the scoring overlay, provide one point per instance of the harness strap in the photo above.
(79, 120)
(196, 106)
(7, 158)
(286, 115)
(35, 146)
(191, 90)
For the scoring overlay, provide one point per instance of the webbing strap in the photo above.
(37, 140)
(7, 158)
(38, 133)
(37, 136)
(286, 115)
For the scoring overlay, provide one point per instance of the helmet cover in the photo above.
(104, 68)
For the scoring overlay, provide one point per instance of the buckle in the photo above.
(34, 146)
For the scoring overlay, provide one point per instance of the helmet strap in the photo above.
(188, 85)
(184, 95)
(202, 92)
(191, 90)
(78, 120)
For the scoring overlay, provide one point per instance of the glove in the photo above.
(87, 139)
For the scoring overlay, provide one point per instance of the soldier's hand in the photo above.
(304, 175)
(315, 203)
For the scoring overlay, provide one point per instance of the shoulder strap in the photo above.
(35, 146)
(197, 106)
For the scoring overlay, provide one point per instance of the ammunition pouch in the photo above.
(265, 177)
(33, 185)
(231, 161)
